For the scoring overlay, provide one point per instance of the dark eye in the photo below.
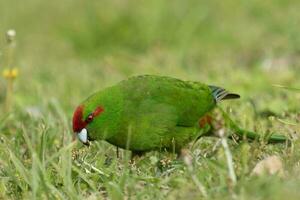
(89, 118)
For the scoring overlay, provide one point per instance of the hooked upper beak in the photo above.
(83, 137)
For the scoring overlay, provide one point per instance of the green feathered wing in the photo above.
(160, 112)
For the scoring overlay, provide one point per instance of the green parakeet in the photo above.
(150, 112)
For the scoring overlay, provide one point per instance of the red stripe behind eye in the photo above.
(98, 111)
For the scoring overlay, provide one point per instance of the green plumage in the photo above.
(152, 112)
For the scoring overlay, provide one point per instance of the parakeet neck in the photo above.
(107, 123)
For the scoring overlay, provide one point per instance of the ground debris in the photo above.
(269, 166)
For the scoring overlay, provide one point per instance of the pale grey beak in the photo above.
(83, 136)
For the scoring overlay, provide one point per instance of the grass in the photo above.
(62, 57)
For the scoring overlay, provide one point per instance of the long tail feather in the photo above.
(272, 138)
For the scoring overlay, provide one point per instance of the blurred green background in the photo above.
(66, 50)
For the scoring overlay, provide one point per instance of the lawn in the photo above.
(66, 50)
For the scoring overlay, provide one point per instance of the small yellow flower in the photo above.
(10, 73)
(14, 73)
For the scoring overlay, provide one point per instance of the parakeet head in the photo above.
(82, 121)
